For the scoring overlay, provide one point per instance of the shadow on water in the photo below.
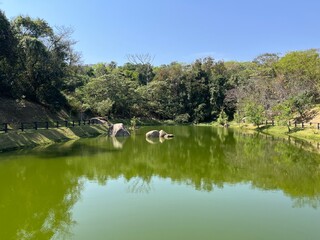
(48, 181)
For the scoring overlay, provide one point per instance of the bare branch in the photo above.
(143, 59)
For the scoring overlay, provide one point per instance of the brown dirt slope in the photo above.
(15, 111)
(314, 115)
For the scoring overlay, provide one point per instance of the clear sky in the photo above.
(179, 30)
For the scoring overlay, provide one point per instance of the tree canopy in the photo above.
(38, 63)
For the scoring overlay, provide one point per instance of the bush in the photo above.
(223, 118)
(182, 118)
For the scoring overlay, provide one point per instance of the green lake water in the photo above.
(205, 183)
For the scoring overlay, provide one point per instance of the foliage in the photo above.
(301, 64)
(255, 113)
(223, 118)
(182, 118)
(284, 113)
(302, 103)
(38, 63)
(103, 107)
(237, 117)
(7, 56)
(133, 122)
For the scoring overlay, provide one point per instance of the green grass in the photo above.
(307, 133)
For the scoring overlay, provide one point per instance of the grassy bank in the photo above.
(31, 138)
(307, 133)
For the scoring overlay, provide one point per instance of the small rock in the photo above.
(162, 133)
(168, 136)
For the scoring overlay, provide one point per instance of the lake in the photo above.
(205, 183)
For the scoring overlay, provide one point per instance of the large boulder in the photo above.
(153, 134)
(118, 130)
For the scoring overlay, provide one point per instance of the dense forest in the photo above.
(38, 63)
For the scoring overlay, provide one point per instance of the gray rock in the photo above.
(158, 134)
(153, 134)
(118, 130)
(101, 120)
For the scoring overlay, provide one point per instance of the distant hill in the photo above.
(14, 111)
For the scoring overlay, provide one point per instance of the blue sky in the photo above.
(179, 30)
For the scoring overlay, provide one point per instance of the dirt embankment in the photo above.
(31, 138)
(17, 111)
(14, 111)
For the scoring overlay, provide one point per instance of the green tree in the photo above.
(302, 103)
(284, 113)
(110, 93)
(255, 113)
(44, 58)
(133, 123)
(300, 71)
(223, 118)
(7, 56)
(198, 88)
(166, 96)
(238, 117)
(143, 65)
(99, 69)
(266, 64)
(103, 107)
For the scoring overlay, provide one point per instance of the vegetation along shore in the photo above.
(39, 66)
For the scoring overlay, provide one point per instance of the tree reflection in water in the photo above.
(38, 188)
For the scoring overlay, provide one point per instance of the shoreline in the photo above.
(31, 138)
(307, 134)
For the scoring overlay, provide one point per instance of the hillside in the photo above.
(14, 111)
(314, 115)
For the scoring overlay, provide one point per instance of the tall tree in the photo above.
(144, 66)
(43, 60)
(300, 71)
(7, 56)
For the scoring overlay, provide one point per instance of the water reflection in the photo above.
(157, 140)
(36, 198)
(118, 142)
(38, 188)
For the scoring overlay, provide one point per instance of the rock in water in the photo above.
(118, 130)
(167, 136)
(162, 133)
(153, 134)
(158, 134)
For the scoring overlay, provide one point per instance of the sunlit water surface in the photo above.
(206, 183)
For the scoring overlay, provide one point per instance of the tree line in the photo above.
(38, 63)
(35, 60)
